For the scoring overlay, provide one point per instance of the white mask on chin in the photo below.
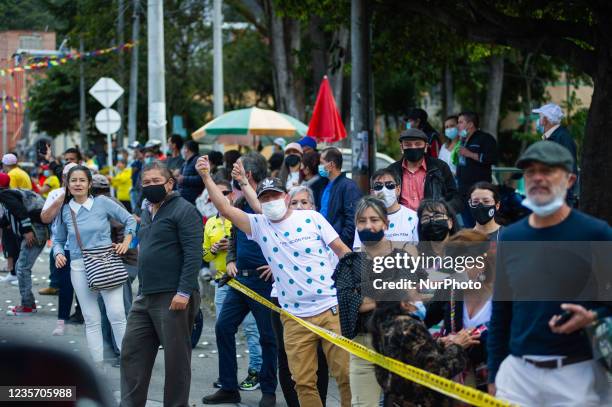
(549, 208)
(274, 210)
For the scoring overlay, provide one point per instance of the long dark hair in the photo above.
(68, 196)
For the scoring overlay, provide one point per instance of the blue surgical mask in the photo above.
(149, 160)
(420, 312)
(408, 125)
(463, 133)
(47, 173)
(539, 126)
(323, 172)
(120, 157)
(451, 133)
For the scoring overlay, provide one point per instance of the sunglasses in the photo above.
(226, 193)
(378, 186)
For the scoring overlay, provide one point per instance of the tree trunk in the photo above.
(296, 81)
(494, 94)
(339, 52)
(283, 91)
(318, 53)
(596, 162)
(449, 94)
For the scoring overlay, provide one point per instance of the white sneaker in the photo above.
(60, 329)
(15, 282)
(8, 278)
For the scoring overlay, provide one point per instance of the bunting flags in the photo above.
(11, 103)
(64, 60)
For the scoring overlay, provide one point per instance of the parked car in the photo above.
(382, 161)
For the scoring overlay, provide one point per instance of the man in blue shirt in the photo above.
(536, 359)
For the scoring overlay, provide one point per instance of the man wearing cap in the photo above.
(536, 359)
(549, 125)
(308, 144)
(477, 155)
(296, 245)
(279, 144)
(19, 178)
(423, 177)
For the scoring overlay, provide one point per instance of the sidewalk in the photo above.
(39, 326)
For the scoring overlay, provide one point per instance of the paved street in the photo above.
(38, 328)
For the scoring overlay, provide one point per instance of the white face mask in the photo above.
(389, 197)
(274, 210)
(549, 208)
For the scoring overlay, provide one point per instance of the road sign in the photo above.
(106, 91)
(108, 121)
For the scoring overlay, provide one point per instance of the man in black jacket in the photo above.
(190, 184)
(168, 300)
(423, 177)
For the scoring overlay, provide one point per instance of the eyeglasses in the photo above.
(433, 218)
(378, 186)
(226, 193)
(475, 202)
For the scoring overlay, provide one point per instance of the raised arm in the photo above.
(238, 218)
(48, 214)
(239, 174)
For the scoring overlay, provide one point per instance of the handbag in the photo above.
(103, 266)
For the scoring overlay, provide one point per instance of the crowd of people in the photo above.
(297, 231)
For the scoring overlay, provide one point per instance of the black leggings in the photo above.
(284, 375)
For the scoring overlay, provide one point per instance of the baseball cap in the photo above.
(100, 181)
(9, 159)
(135, 145)
(551, 111)
(270, 184)
(67, 168)
(412, 134)
(308, 142)
(294, 146)
(549, 153)
(281, 142)
(153, 143)
(5, 180)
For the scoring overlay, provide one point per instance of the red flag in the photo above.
(326, 124)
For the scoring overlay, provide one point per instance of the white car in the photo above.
(382, 161)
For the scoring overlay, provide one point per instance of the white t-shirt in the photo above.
(402, 227)
(52, 197)
(483, 316)
(445, 155)
(297, 251)
(293, 180)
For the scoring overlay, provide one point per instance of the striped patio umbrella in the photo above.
(245, 126)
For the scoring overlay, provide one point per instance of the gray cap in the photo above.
(413, 134)
(99, 181)
(549, 153)
(270, 184)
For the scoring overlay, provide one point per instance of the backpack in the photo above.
(31, 200)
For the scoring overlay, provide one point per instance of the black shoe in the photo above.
(76, 318)
(267, 400)
(217, 383)
(251, 382)
(222, 396)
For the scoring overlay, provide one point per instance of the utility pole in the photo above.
(156, 71)
(133, 102)
(363, 143)
(218, 57)
(121, 76)
(4, 124)
(82, 129)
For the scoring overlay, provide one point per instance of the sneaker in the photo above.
(222, 397)
(217, 383)
(9, 278)
(60, 328)
(251, 382)
(48, 291)
(15, 283)
(21, 310)
(267, 400)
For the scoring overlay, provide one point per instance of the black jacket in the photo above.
(562, 136)
(170, 252)
(16, 216)
(343, 197)
(471, 171)
(439, 182)
(192, 185)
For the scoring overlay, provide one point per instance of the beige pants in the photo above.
(365, 390)
(301, 347)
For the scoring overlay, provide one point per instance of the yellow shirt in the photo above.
(19, 179)
(53, 183)
(122, 182)
(215, 230)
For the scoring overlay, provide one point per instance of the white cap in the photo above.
(9, 159)
(153, 143)
(294, 146)
(67, 168)
(281, 142)
(551, 111)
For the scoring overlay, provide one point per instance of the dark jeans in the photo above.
(284, 375)
(66, 292)
(149, 324)
(54, 272)
(235, 308)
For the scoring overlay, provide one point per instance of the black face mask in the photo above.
(434, 231)
(155, 193)
(236, 185)
(292, 160)
(369, 238)
(414, 154)
(483, 213)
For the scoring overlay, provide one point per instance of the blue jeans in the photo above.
(249, 327)
(23, 268)
(235, 308)
(66, 292)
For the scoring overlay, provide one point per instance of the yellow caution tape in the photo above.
(438, 383)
